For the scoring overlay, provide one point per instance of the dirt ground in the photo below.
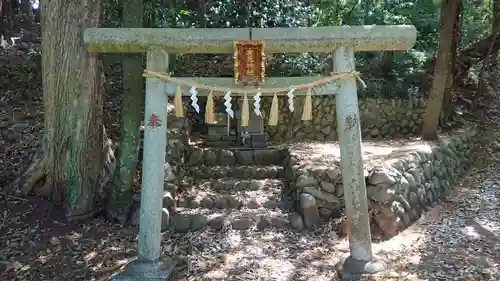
(458, 240)
(374, 151)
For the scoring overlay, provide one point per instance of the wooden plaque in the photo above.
(249, 62)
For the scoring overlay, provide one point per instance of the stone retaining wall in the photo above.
(404, 188)
(380, 118)
(177, 141)
(399, 189)
(316, 182)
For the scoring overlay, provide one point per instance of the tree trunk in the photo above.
(1, 19)
(26, 7)
(74, 146)
(495, 28)
(6, 15)
(133, 91)
(450, 9)
(451, 80)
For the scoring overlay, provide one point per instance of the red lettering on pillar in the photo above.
(154, 121)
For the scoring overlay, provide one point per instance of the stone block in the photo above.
(388, 224)
(267, 157)
(258, 140)
(168, 201)
(243, 222)
(210, 157)
(226, 157)
(296, 221)
(180, 223)
(309, 210)
(243, 157)
(217, 221)
(198, 222)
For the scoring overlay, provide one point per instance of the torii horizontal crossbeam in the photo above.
(277, 40)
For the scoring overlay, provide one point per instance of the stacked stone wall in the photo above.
(399, 189)
(380, 119)
(177, 142)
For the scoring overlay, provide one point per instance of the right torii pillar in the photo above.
(361, 261)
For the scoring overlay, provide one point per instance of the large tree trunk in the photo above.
(133, 91)
(75, 148)
(450, 9)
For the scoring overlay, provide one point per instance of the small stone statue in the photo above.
(245, 136)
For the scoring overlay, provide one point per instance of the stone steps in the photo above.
(189, 220)
(231, 185)
(230, 193)
(233, 188)
(212, 156)
(232, 202)
(238, 171)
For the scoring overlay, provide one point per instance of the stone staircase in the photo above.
(233, 188)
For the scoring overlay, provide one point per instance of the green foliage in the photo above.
(475, 20)
(387, 73)
(112, 13)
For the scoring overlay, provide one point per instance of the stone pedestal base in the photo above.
(351, 269)
(146, 271)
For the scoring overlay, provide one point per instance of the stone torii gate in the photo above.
(343, 41)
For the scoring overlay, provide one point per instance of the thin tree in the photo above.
(26, 8)
(495, 28)
(133, 97)
(450, 12)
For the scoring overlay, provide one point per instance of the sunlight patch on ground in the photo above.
(491, 226)
(470, 231)
(373, 151)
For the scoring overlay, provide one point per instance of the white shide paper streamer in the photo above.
(194, 99)
(227, 103)
(290, 99)
(256, 104)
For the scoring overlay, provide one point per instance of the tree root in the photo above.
(13, 197)
(32, 176)
(96, 212)
(35, 176)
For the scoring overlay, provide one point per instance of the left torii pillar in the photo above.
(157, 43)
(148, 266)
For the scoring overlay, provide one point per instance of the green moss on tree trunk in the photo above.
(73, 91)
(133, 91)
